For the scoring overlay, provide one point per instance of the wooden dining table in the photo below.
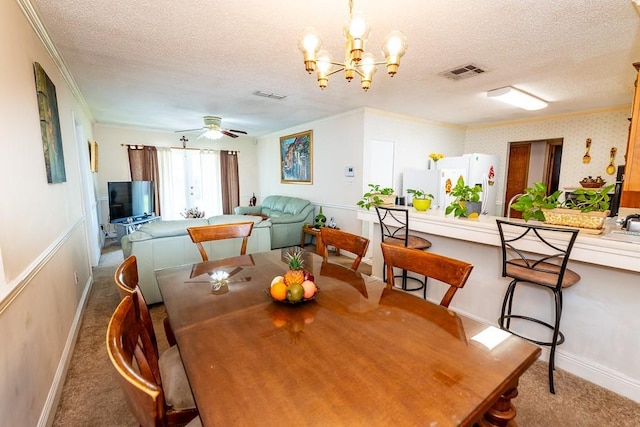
(357, 354)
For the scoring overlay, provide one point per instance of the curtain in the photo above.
(143, 164)
(229, 181)
(166, 183)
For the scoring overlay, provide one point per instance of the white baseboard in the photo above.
(48, 413)
(592, 372)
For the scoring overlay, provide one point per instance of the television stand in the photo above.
(129, 225)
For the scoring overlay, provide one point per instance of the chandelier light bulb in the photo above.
(324, 68)
(368, 69)
(356, 33)
(309, 44)
(358, 27)
(394, 47)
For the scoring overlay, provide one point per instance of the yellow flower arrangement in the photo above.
(435, 157)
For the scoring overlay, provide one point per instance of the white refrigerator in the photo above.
(474, 168)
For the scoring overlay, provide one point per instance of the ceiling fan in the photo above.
(213, 130)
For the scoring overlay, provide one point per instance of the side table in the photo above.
(314, 232)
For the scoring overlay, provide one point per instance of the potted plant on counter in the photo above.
(420, 199)
(377, 196)
(587, 209)
(466, 202)
(534, 200)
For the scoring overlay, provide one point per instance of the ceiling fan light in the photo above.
(211, 134)
(518, 98)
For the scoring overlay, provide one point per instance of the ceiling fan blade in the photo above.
(188, 130)
(236, 131)
(224, 132)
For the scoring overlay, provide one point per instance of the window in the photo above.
(189, 179)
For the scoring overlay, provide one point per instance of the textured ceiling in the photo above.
(163, 64)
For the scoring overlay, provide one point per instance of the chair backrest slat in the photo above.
(447, 270)
(208, 233)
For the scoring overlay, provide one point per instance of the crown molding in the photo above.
(41, 32)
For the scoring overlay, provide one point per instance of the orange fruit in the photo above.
(278, 291)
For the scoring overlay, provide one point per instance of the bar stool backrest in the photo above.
(394, 223)
(535, 253)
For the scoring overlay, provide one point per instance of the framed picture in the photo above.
(49, 126)
(93, 155)
(296, 158)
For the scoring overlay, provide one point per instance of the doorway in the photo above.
(529, 162)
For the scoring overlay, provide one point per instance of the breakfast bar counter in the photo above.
(600, 314)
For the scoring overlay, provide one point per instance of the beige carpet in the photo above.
(91, 396)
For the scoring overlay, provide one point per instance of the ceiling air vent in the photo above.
(462, 72)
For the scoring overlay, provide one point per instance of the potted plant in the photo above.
(534, 200)
(377, 196)
(466, 200)
(588, 209)
(420, 199)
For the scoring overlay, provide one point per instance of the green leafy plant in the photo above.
(534, 199)
(590, 200)
(419, 194)
(463, 194)
(371, 197)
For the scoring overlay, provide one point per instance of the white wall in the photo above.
(606, 129)
(42, 231)
(114, 160)
(340, 141)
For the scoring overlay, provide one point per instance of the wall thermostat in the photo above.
(349, 171)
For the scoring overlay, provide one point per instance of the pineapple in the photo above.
(295, 273)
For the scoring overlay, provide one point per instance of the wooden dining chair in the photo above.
(353, 243)
(126, 279)
(447, 270)
(208, 233)
(156, 389)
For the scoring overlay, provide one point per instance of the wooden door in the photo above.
(517, 173)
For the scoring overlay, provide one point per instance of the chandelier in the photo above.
(356, 61)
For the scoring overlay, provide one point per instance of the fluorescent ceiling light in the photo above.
(517, 97)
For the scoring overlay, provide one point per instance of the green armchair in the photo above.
(287, 215)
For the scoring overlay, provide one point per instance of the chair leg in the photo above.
(554, 342)
(507, 303)
(424, 292)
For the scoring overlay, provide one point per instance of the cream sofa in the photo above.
(163, 244)
(287, 215)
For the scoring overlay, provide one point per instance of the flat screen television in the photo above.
(130, 199)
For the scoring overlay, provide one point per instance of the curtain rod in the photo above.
(141, 146)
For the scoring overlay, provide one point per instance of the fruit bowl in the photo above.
(286, 301)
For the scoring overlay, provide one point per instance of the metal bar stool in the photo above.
(522, 245)
(394, 228)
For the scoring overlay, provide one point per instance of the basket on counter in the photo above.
(574, 218)
(592, 184)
